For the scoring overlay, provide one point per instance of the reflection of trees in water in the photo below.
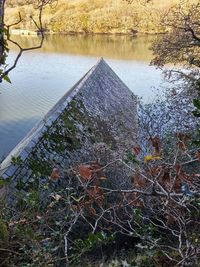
(117, 47)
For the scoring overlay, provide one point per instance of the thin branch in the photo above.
(39, 27)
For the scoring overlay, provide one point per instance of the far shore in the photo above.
(25, 32)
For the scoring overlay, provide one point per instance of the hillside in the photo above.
(92, 16)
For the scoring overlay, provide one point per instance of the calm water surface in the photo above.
(43, 76)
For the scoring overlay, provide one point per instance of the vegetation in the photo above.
(62, 222)
(183, 33)
(5, 36)
(94, 16)
(77, 217)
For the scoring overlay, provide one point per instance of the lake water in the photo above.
(43, 76)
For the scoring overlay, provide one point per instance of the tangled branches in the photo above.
(77, 211)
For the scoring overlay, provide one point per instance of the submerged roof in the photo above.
(98, 109)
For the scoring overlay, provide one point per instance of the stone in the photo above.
(99, 109)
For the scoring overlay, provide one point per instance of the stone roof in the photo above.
(99, 109)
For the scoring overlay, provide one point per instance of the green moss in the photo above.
(20, 184)
(96, 130)
(69, 124)
(40, 167)
(4, 233)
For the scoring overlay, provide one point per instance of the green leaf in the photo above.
(5, 181)
(16, 160)
(196, 103)
(7, 79)
(196, 113)
(2, 182)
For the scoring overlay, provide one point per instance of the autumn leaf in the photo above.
(198, 155)
(92, 211)
(177, 184)
(55, 175)
(85, 172)
(151, 158)
(137, 150)
(135, 200)
(170, 219)
(96, 194)
(156, 143)
(138, 181)
(166, 175)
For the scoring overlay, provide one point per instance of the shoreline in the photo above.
(25, 32)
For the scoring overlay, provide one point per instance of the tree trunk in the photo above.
(2, 56)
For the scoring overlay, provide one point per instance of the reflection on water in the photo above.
(111, 46)
(43, 76)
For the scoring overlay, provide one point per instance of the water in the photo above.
(43, 76)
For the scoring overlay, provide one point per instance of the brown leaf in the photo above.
(136, 201)
(177, 185)
(156, 143)
(55, 175)
(138, 181)
(182, 141)
(92, 211)
(198, 155)
(170, 220)
(96, 195)
(166, 175)
(85, 172)
(137, 150)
